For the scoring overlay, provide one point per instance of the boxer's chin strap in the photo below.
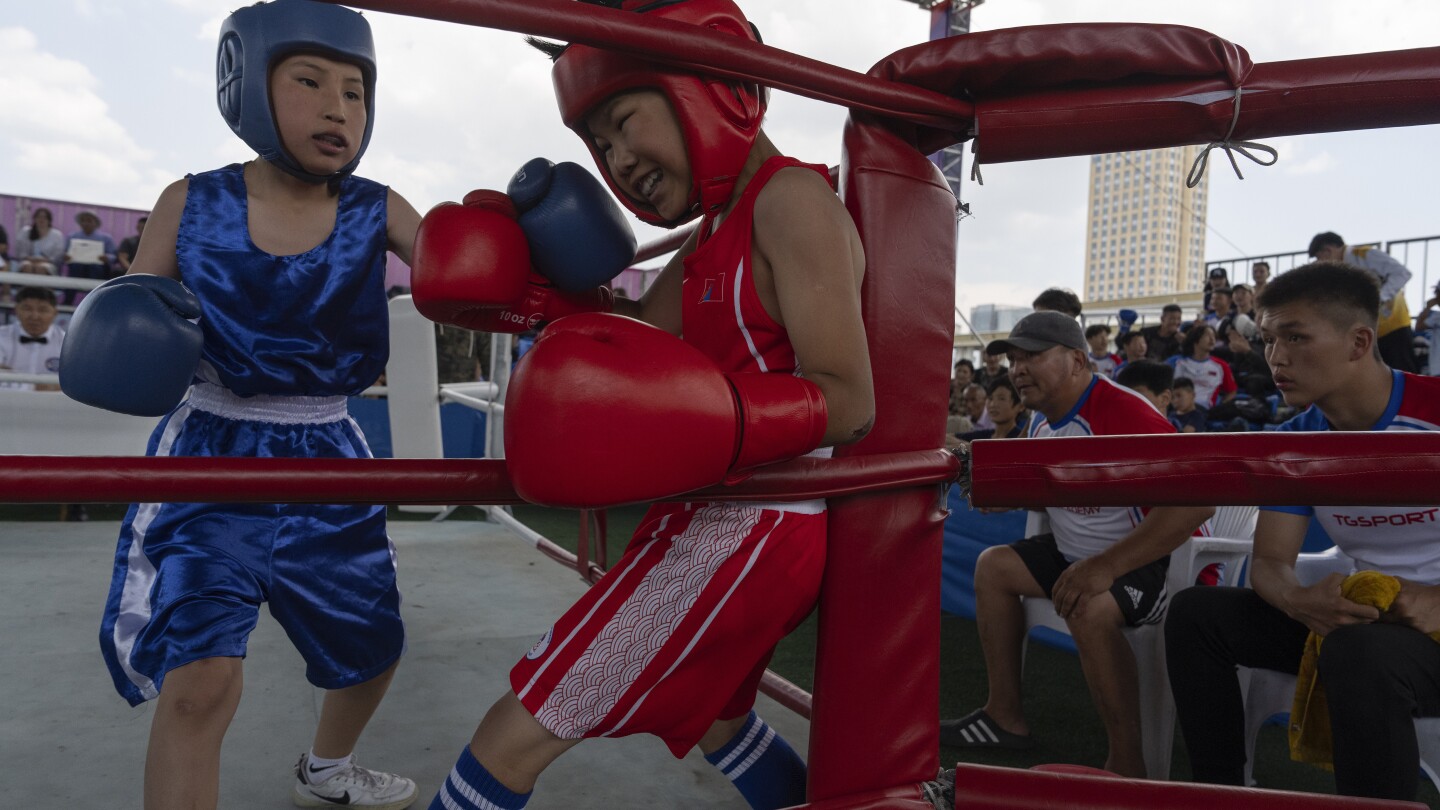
(1197, 169)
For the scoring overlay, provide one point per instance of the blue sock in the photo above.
(762, 766)
(470, 787)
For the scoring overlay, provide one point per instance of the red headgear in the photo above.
(720, 118)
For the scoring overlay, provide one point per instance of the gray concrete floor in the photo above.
(476, 598)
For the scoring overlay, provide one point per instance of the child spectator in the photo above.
(1133, 349)
(1212, 378)
(1152, 380)
(1104, 361)
(31, 345)
(1005, 409)
(283, 260)
(1185, 414)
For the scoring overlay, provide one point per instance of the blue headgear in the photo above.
(253, 38)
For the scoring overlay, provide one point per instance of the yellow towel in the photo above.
(1310, 739)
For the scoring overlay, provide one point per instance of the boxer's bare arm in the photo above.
(660, 305)
(156, 254)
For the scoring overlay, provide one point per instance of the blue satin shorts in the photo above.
(189, 578)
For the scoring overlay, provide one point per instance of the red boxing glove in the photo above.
(606, 410)
(472, 269)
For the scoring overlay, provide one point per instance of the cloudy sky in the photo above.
(106, 102)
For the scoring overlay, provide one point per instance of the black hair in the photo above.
(1171, 308)
(1235, 287)
(1058, 299)
(1224, 290)
(1192, 336)
(1003, 381)
(1265, 265)
(1341, 292)
(1124, 340)
(1323, 240)
(1183, 383)
(35, 232)
(1096, 328)
(36, 294)
(966, 362)
(1156, 377)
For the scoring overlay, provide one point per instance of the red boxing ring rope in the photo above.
(1267, 469)
(691, 47)
(137, 479)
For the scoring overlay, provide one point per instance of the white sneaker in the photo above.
(352, 786)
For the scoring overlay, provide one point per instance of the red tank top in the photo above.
(721, 311)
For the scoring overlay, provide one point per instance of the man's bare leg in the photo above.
(1001, 578)
(1110, 673)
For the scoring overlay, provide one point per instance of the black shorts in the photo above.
(1140, 594)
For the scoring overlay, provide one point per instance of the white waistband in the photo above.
(279, 410)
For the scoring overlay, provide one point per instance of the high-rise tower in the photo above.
(1146, 231)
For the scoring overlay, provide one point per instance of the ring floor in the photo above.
(475, 598)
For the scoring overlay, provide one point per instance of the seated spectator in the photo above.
(1378, 670)
(130, 245)
(31, 344)
(1216, 279)
(1102, 360)
(4, 248)
(1251, 372)
(1243, 300)
(1133, 348)
(1185, 414)
(1429, 322)
(1102, 569)
(40, 248)
(964, 373)
(990, 370)
(1151, 380)
(957, 423)
(1221, 306)
(1007, 412)
(1260, 274)
(1057, 299)
(974, 405)
(1162, 341)
(1213, 381)
(98, 269)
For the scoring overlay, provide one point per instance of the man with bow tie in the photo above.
(31, 345)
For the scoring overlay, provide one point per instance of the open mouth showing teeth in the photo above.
(333, 140)
(647, 185)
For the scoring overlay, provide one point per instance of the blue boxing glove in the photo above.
(1127, 318)
(579, 238)
(132, 346)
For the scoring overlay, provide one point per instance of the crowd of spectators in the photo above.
(1327, 327)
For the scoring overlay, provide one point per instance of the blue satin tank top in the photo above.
(312, 324)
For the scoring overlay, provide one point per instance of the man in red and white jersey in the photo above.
(1379, 670)
(1104, 566)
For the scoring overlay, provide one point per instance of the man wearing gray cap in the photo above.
(1104, 567)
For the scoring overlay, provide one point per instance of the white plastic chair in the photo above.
(1269, 692)
(1233, 530)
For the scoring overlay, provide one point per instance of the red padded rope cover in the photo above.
(1279, 469)
(997, 788)
(1078, 89)
(129, 479)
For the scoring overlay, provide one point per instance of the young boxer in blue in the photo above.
(282, 260)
